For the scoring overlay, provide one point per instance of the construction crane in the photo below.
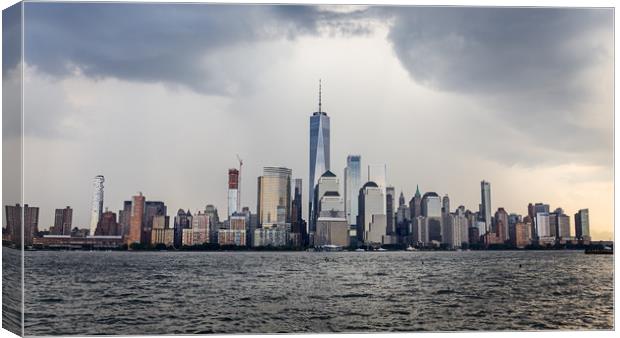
(239, 184)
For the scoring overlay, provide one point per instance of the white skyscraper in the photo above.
(485, 192)
(97, 206)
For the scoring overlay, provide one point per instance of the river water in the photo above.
(87, 293)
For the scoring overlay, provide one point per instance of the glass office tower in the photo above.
(319, 153)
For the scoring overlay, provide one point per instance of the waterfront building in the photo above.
(419, 231)
(372, 225)
(390, 197)
(501, 225)
(136, 219)
(328, 182)
(352, 185)
(14, 223)
(124, 218)
(403, 220)
(522, 235)
(151, 209)
(183, 220)
(560, 225)
(161, 232)
(200, 228)
(332, 231)
(231, 237)
(542, 225)
(485, 205)
(236, 234)
(445, 205)
(233, 191)
(319, 154)
(187, 237)
(431, 210)
(582, 225)
(298, 225)
(473, 235)
(97, 202)
(539, 208)
(332, 227)
(275, 235)
(513, 219)
(108, 226)
(63, 219)
(13, 215)
(274, 192)
(415, 204)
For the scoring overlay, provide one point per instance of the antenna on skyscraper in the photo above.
(319, 95)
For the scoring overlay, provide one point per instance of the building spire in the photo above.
(319, 95)
(417, 190)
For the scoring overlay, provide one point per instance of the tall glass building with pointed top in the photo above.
(319, 154)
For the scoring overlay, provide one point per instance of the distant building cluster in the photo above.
(365, 213)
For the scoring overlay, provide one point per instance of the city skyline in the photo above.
(430, 128)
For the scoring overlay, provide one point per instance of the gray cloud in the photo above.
(523, 65)
(155, 42)
(526, 67)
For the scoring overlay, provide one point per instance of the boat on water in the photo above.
(381, 249)
(359, 250)
(410, 248)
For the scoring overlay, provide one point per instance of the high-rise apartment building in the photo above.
(14, 218)
(63, 219)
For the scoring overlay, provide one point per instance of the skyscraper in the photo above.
(97, 205)
(352, 185)
(274, 192)
(415, 204)
(136, 219)
(371, 223)
(445, 205)
(390, 197)
(182, 221)
(582, 224)
(319, 150)
(485, 206)
(297, 224)
(431, 210)
(151, 209)
(124, 218)
(501, 224)
(233, 191)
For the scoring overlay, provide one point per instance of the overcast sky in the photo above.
(160, 98)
